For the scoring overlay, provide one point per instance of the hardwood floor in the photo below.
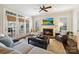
(56, 46)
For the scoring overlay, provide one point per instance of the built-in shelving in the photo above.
(15, 23)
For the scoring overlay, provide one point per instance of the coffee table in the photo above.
(42, 43)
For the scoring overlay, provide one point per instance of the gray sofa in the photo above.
(30, 49)
(20, 47)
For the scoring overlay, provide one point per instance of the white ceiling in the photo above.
(33, 9)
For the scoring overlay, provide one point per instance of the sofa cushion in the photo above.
(6, 50)
(37, 50)
(23, 47)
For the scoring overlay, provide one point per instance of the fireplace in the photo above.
(48, 32)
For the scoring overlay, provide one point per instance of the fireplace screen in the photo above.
(48, 32)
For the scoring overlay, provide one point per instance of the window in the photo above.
(63, 20)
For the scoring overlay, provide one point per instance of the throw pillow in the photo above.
(6, 40)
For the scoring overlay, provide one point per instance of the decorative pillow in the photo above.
(6, 40)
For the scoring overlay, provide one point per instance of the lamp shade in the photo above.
(60, 24)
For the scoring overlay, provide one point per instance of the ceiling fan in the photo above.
(44, 8)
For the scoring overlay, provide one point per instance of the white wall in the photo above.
(75, 18)
(57, 16)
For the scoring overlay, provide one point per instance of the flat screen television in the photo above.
(48, 22)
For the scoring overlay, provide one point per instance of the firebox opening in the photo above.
(48, 32)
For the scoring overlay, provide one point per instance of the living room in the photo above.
(38, 28)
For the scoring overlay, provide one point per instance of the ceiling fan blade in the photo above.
(43, 6)
(48, 7)
(40, 10)
(45, 10)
